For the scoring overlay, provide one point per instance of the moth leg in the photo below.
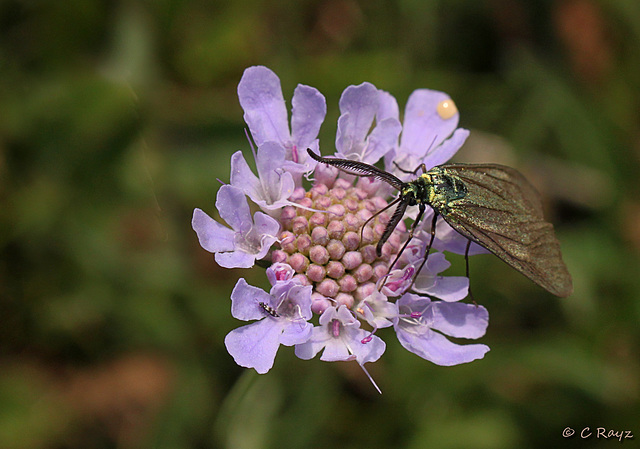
(466, 261)
(426, 254)
(414, 172)
(411, 231)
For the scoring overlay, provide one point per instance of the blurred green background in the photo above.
(117, 118)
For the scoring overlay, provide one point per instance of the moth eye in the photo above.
(447, 109)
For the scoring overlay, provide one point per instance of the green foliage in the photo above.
(119, 117)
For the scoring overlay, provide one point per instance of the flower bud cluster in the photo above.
(330, 249)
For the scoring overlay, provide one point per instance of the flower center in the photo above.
(331, 250)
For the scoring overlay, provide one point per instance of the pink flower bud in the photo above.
(319, 254)
(345, 299)
(348, 283)
(352, 259)
(351, 241)
(328, 288)
(336, 229)
(336, 249)
(335, 269)
(316, 273)
(320, 236)
(298, 262)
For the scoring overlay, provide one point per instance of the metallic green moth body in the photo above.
(491, 205)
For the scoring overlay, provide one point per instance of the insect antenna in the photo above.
(359, 169)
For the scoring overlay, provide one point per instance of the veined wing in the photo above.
(503, 213)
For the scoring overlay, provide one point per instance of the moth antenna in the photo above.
(358, 168)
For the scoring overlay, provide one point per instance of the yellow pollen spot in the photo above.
(447, 109)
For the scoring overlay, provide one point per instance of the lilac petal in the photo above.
(232, 205)
(370, 351)
(335, 350)
(436, 348)
(268, 228)
(307, 114)
(377, 310)
(459, 320)
(243, 178)
(264, 108)
(255, 345)
(448, 288)
(318, 340)
(297, 332)
(387, 107)
(298, 297)
(305, 164)
(441, 154)
(358, 107)
(382, 139)
(423, 128)
(437, 263)
(212, 235)
(277, 185)
(448, 239)
(245, 300)
(235, 259)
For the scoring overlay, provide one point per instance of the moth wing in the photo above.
(503, 213)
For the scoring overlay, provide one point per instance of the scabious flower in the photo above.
(282, 316)
(249, 240)
(319, 240)
(419, 318)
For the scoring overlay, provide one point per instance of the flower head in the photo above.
(321, 239)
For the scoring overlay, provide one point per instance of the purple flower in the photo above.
(377, 310)
(247, 241)
(420, 322)
(359, 106)
(273, 186)
(265, 112)
(280, 272)
(448, 239)
(447, 288)
(340, 336)
(430, 117)
(283, 316)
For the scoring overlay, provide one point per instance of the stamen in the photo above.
(335, 328)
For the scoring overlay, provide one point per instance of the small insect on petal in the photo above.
(270, 310)
(447, 109)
